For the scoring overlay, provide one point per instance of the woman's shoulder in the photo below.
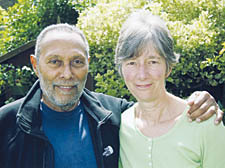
(205, 129)
(177, 104)
(128, 112)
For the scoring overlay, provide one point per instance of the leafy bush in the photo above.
(217, 67)
(24, 20)
(197, 26)
(101, 25)
(14, 82)
(22, 23)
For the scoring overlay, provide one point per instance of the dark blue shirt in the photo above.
(69, 134)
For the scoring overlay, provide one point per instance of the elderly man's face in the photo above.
(62, 70)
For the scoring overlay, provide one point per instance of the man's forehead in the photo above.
(61, 35)
(57, 41)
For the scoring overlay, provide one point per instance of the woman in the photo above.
(155, 131)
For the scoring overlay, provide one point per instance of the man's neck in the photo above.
(65, 108)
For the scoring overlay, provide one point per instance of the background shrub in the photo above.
(20, 24)
(14, 82)
(197, 26)
(101, 25)
(23, 21)
(198, 29)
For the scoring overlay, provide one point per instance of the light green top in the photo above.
(186, 145)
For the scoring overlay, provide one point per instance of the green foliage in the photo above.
(55, 11)
(19, 25)
(218, 63)
(22, 23)
(5, 4)
(197, 26)
(24, 20)
(101, 25)
(15, 81)
(80, 5)
(3, 13)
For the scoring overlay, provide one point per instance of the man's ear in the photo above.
(89, 59)
(33, 61)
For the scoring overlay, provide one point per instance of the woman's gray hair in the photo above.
(141, 30)
(62, 27)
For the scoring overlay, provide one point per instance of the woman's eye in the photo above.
(153, 62)
(131, 63)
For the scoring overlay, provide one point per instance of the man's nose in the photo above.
(67, 72)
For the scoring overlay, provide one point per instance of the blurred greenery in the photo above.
(197, 26)
(23, 21)
(101, 25)
(20, 24)
(15, 82)
(6, 3)
(198, 29)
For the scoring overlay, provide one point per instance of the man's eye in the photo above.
(54, 62)
(78, 62)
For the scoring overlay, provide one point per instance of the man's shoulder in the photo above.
(98, 94)
(10, 110)
(104, 97)
(109, 102)
(95, 96)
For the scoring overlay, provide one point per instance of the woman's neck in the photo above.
(159, 110)
(156, 118)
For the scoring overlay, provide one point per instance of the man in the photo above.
(60, 124)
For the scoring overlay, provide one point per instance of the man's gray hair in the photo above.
(141, 30)
(62, 27)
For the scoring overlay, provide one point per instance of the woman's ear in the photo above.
(33, 61)
(89, 59)
(168, 72)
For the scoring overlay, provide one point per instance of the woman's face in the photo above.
(145, 75)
